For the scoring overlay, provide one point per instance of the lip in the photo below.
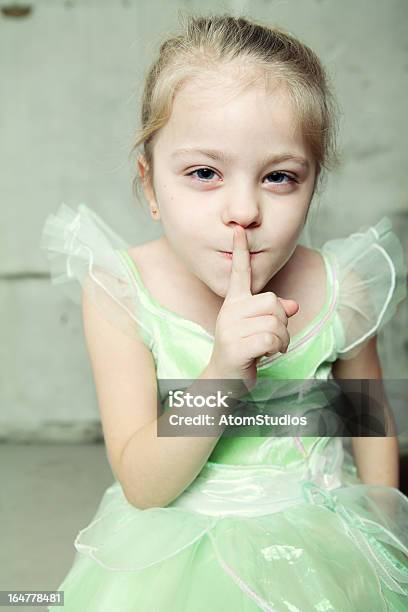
(228, 254)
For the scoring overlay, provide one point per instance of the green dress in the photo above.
(276, 523)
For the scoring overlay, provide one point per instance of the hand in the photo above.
(248, 326)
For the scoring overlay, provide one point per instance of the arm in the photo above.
(152, 470)
(157, 469)
(377, 458)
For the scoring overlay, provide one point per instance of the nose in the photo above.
(241, 207)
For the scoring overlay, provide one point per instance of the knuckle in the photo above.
(271, 298)
(269, 338)
(272, 323)
(285, 343)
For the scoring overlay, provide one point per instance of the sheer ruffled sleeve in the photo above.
(371, 281)
(83, 255)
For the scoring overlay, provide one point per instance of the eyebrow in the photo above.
(220, 156)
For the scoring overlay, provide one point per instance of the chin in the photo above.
(217, 286)
(220, 288)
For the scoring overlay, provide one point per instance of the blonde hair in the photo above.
(210, 42)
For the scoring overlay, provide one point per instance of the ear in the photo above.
(147, 186)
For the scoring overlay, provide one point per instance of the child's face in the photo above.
(200, 199)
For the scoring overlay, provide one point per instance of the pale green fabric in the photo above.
(270, 523)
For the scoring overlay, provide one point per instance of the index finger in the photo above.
(241, 273)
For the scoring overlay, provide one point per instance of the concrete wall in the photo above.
(71, 80)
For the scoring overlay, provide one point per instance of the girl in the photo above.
(237, 125)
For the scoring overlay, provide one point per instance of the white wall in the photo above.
(71, 79)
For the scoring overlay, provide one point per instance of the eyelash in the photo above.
(292, 179)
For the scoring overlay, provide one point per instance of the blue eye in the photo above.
(204, 170)
(283, 174)
(201, 170)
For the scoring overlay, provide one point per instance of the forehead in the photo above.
(234, 106)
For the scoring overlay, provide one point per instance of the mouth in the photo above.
(228, 254)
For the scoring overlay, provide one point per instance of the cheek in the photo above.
(181, 220)
(284, 239)
(181, 210)
(183, 227)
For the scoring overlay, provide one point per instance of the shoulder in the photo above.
(371, 283)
